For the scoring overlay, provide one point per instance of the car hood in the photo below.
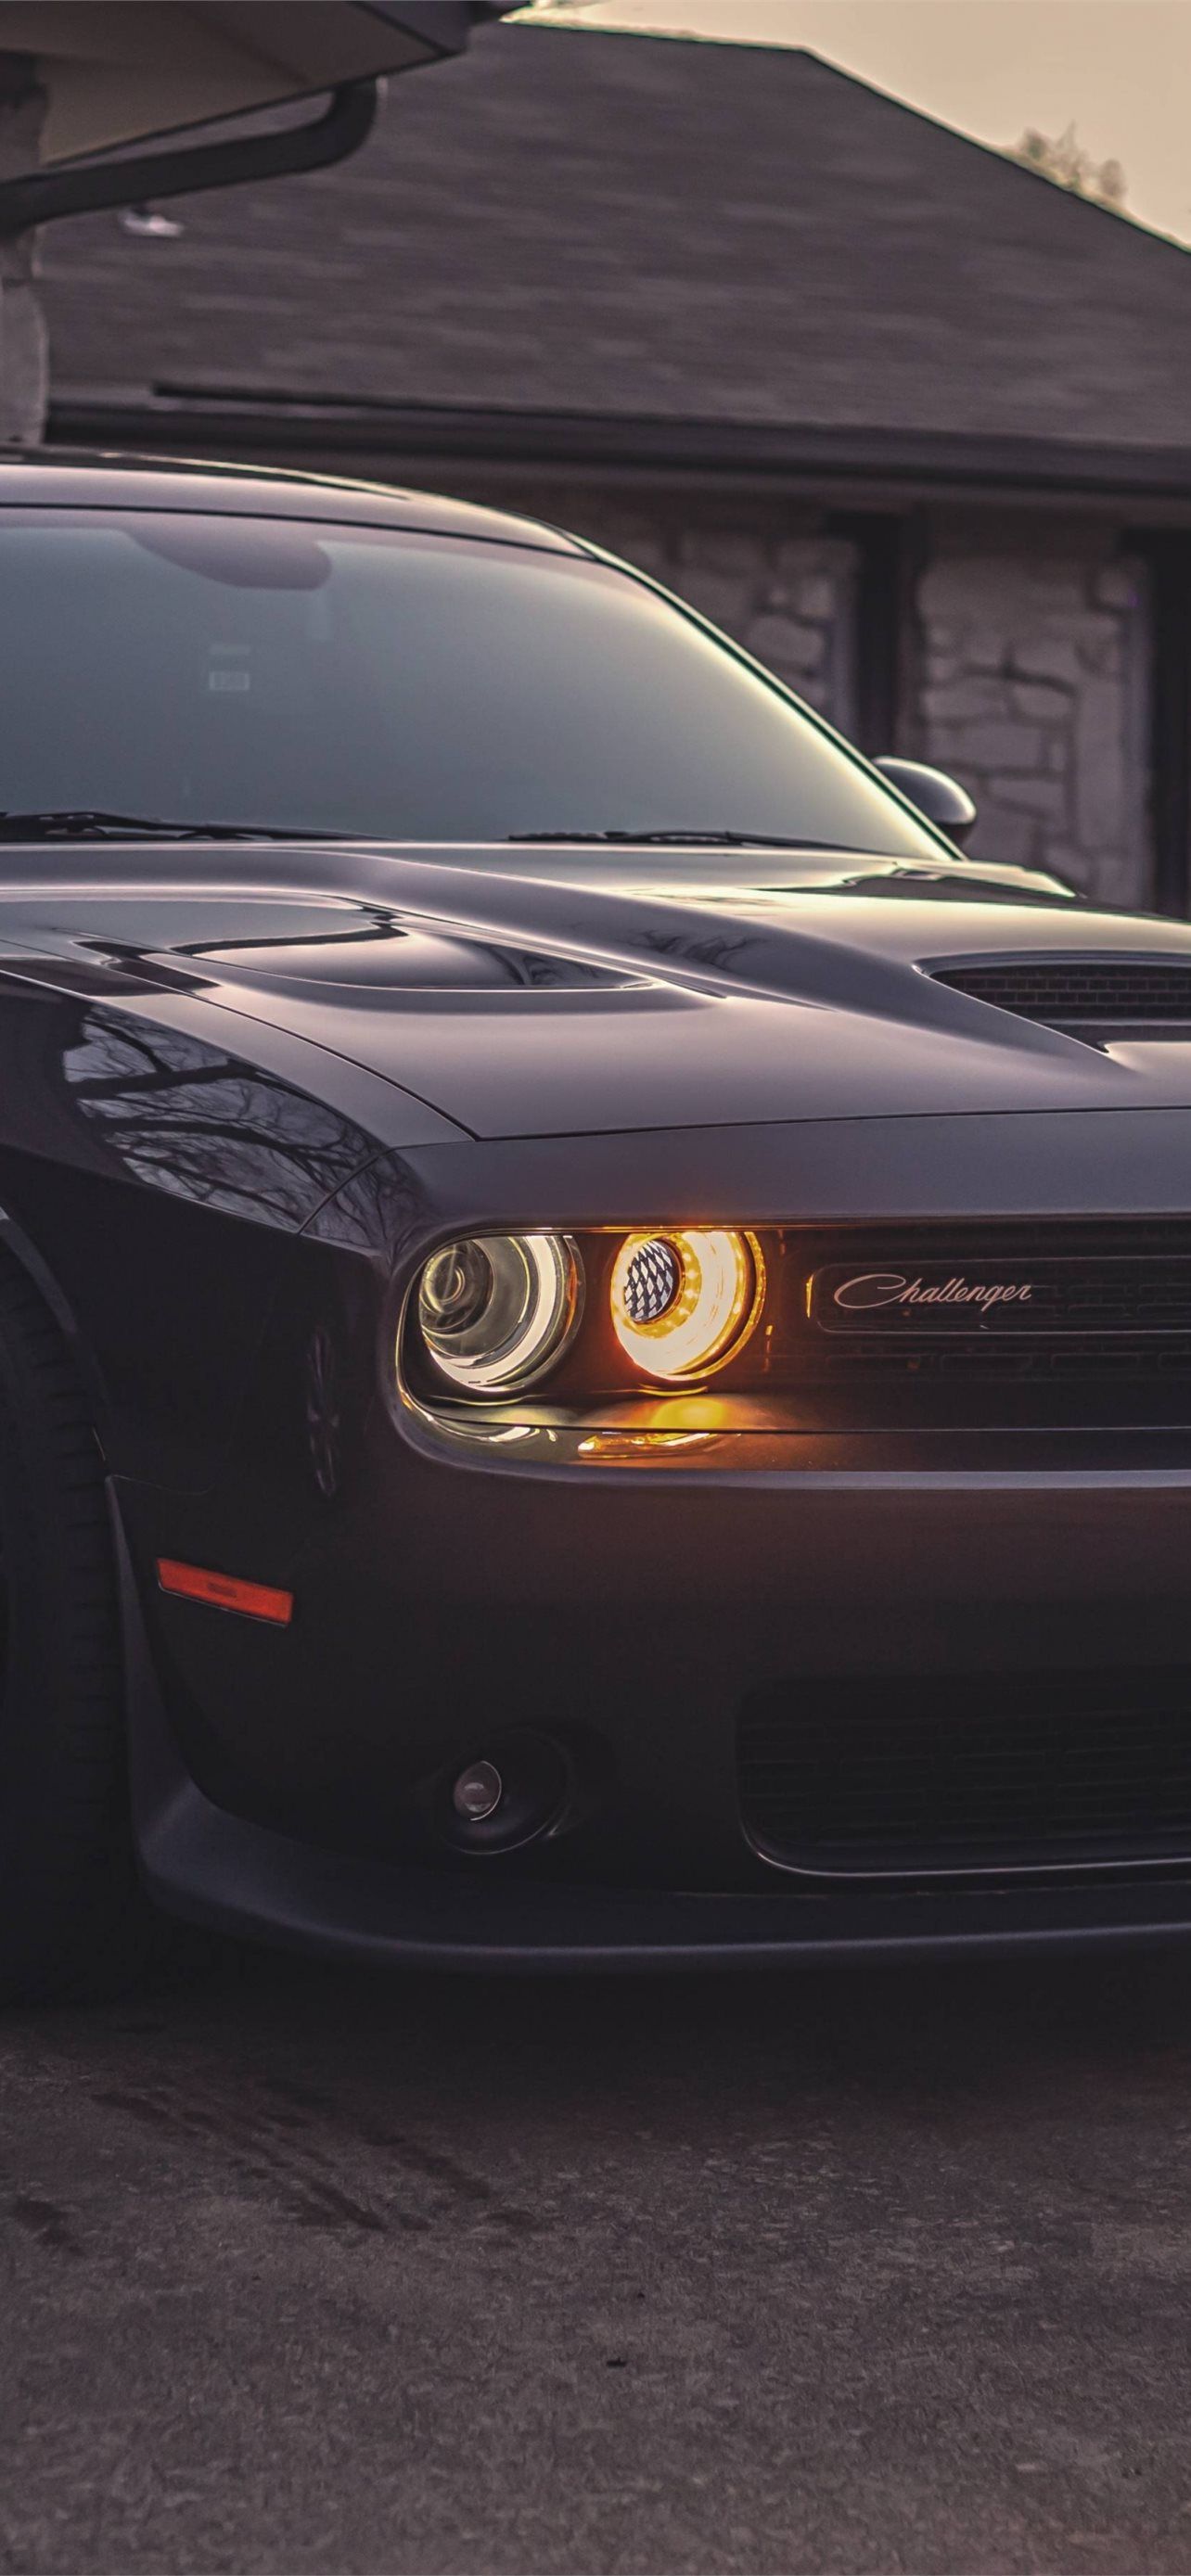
(553, 992)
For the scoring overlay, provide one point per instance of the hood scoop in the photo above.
(1088, 997)
(373, 964)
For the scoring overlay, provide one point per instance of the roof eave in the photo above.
(908, 463)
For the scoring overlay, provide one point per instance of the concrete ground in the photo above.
(307, 2270)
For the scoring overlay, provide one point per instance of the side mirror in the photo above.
(943, 801)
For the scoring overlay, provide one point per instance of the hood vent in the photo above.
(1083, 997)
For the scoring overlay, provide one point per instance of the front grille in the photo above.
(1083, 996)
(1040, 1297)
(1104, 1338)
(945, 1776)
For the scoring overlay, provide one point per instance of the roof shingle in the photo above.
(575, 220)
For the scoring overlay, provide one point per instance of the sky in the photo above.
(1119, 69)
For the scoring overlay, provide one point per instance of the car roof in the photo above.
(72, 478)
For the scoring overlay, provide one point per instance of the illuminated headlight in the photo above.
(683, 1303)
(495, 1309)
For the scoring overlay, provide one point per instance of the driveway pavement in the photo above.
(305, 2270)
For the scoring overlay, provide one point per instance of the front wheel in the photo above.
(72, 1917)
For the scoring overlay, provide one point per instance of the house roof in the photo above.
(570, 221)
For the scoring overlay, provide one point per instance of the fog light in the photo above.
(514, 1794)
(683, 1303)
(477, 1792)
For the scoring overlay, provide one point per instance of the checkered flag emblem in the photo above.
(652, 1282)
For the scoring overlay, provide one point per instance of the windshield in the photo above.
(300, 677)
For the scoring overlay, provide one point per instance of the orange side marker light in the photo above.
(225, 1591)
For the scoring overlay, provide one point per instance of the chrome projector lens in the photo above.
(496, 1309)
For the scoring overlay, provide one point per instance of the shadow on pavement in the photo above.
(408, 2276)
(955, 2031)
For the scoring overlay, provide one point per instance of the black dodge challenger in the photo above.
(595, 1324)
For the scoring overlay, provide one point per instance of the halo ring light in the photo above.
(684, 1301)
(496, 1309)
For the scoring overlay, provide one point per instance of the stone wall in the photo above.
(779, 588)
(1027, 668)
(23, 354)
(1033, 690)
(787, 599)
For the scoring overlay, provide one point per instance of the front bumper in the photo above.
(536, 1596)
(631, 1596)
(215, 1870)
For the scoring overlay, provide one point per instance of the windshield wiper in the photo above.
(92, 823)
(683, 840)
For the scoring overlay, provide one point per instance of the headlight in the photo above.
(495, 1309)
(683, 1303)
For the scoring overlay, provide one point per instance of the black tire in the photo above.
(73, 1921)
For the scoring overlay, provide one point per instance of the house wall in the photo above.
(1034, 672)
(768, 576)
(1024, 661)
(1027, 672)
(23, 353)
